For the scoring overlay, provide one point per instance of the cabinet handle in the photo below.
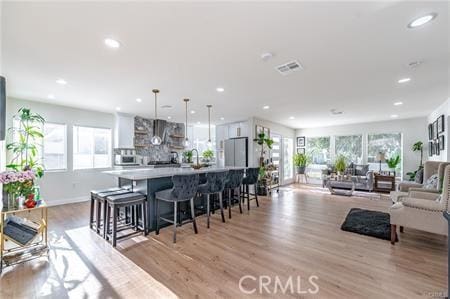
(238, 131)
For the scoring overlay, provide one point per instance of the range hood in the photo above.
(159, 128)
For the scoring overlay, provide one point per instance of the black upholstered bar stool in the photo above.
(184, 189)
(98, 198)
(127, 200)
(251, 178)
(233, 184)
(215, 184)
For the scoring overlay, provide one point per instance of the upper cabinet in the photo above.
(124, 131)
(239, 129)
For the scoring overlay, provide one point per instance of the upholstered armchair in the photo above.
(422, 210)
(429, 168)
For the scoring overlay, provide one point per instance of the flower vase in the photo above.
(12, 201)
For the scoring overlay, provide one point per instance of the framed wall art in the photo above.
(440, 124)
(301, 141)
(441, 142)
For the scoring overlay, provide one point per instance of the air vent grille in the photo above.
(289, 67)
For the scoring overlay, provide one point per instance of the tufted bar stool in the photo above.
(184, 189)
(215, 184)
(251, 178)
(233, 183)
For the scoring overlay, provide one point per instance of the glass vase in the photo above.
(12, 201)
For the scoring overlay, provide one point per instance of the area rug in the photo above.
(370, 223)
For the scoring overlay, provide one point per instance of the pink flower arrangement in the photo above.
(8, 177)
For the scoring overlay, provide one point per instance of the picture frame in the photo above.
(440, 124)
(430, 149)
(435, 130)
(301, 141)
(441, 142)
(430, 132)
(300, 150)
(437, 150)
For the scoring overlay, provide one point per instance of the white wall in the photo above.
(413, 130)
(444, 109)
(67, 186)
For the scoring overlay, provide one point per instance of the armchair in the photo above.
(422, 210)
(429, 168)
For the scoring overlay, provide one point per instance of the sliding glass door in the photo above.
(288, 165)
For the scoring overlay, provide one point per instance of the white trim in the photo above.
(65, 201)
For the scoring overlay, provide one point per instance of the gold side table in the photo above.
(16, 253)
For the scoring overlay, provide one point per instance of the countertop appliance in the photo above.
(236, 152)
(125, 157)
(174, 157)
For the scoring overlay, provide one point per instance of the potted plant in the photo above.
(340, 165)
(263, 140)
(392, 162)
(300, 162)
(208, 155)
(187, 156)
(418, 146)
(25, 165)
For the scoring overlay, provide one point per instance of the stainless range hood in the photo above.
(159, 129)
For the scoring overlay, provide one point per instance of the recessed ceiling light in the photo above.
(220, 89)
(192, 111)
(138, 100)
(117, 108)
(422, 20)
(398, 103)
(336, 112)
(51, 96)
(404, 80)
(198, 123)
(169, 117)
(112, 43)
(266, 56)
(394, 116)
(222, 118)
(266, 107)
(61, 81)
(291, 117)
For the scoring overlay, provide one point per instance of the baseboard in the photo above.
(65, 201)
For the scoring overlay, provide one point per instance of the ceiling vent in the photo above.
(289, 67)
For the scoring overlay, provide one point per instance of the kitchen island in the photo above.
(148, 181)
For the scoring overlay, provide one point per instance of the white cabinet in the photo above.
(239, 129)
(221, 136)
(124, 131)
(244, 129)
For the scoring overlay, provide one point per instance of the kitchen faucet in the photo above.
(194, 149)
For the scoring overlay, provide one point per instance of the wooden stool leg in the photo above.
(91, 216)
(239, 198)
(194, 223)
(248, 197)
(144, 218)
(229, 203)
(108, 218)
(393, 233)
(174, 221)
(221, 207)
(256, 196)
(157, 215)
(98, 216)
(207, 210)
(115, 212)
(401, 229)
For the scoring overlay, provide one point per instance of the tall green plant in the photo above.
(301, 160)
(418, 146)
(393, 161)
(263, 140)
(25, 148)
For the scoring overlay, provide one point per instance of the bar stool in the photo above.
(215, 184)
(184, 189)
(251, 178)
(233, 183)
(127, 200)
(98, 198)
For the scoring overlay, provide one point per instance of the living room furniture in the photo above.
(364, 177)
(32, 220)
(422, 210)
(341, 185)
(429, 168)
(383, 183)
(301, 177)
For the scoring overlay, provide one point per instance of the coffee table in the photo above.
(341, 185)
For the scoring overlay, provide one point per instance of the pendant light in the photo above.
(186, 139)
(209, 144)
(156, 140)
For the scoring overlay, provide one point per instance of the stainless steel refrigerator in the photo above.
(236, 152)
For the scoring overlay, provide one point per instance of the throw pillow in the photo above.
(361, 170)
(432, 182)
(419, 176)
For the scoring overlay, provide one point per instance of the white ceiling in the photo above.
(353, 54)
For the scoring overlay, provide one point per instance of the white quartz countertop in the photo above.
(151, 173)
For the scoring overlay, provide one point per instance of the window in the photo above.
(350, 147)
(388, 143)
(91, 147)
(319, 149)
(275, 152)
(54, 147)
(288, 150)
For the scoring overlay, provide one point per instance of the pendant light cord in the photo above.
(209, 122)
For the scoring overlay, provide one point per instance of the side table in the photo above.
(388, 179)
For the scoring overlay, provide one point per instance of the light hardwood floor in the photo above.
(295, 233)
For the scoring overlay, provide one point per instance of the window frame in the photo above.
(333, 145)
(65, 149)
(93, 149)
